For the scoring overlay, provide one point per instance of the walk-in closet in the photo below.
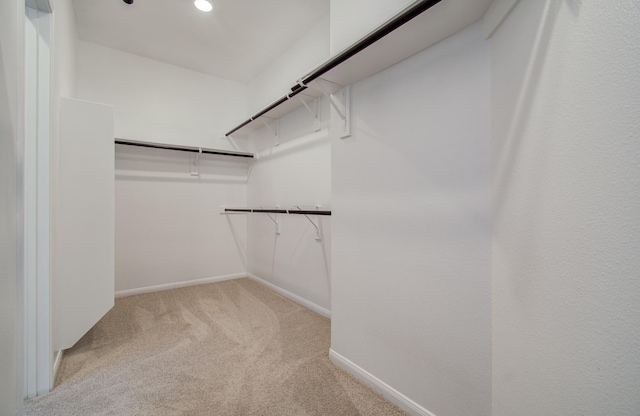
(320, 207)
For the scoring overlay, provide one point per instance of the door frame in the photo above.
(36, 199)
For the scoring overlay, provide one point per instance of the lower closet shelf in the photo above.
(275, 211)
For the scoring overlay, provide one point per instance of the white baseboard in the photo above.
(388, 392)
(297, 299)
(56, 366)
(168, 286)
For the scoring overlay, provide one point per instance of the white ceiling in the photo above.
(235, 41)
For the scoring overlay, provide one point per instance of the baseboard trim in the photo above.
(168, 286)
(388, 392)
(56, 366)
(297, 299)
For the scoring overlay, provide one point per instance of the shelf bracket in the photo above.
(275, 221)
(339, 100)
(195, 163)
(314, 113)
(316, 226)
(274, 131)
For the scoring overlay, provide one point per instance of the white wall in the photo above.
(295, 173)
(302, 57)
(412, 229)
(11, 26)
(566, 209)
(159, 102)
(168, 226)
(353, 19)
(168, 229)
(63, 70)
(65, 38)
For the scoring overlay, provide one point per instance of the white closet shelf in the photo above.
(292, 211)
(422, 24)
(190, 149)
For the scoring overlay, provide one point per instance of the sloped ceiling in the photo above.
(235, 41)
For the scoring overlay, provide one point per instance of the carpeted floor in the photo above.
(228, 348)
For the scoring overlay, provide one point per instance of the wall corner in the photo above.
(497, 13)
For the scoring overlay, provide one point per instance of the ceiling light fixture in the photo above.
(203, 5)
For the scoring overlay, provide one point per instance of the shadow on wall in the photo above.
(288, 131)
(291, 147)
(313, 229)
(241, 243)
(509, 153)
(515, 148)
(294, 258)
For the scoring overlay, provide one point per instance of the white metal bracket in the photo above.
(275, 221)
(195, 163)
(275, 131)
(314, 113)
(316, 226)
(339, 100)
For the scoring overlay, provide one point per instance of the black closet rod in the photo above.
(388, 27)
(382, 31)
(278, 211)
(184, 148)
(265, 110)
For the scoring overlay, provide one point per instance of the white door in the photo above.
(83, 225)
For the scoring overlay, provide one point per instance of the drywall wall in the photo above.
(297, 172)
(63, 70)
(10, 81)
(566, 209)
(168, 229)
(159, 102)
(353, 19)
(64, 50)
(293, 169)
(302, 57)
(412, 230)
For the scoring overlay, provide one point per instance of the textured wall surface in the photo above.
(566, 209)
(412, 228)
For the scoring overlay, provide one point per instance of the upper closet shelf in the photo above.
(402, 36)
(190, 149)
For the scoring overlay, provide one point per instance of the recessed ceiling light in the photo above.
(203, 5)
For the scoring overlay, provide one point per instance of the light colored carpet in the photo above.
(228, 348)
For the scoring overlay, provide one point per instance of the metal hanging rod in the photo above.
(405, 16)
(409, 13)
(277, 211)
(190, 149)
